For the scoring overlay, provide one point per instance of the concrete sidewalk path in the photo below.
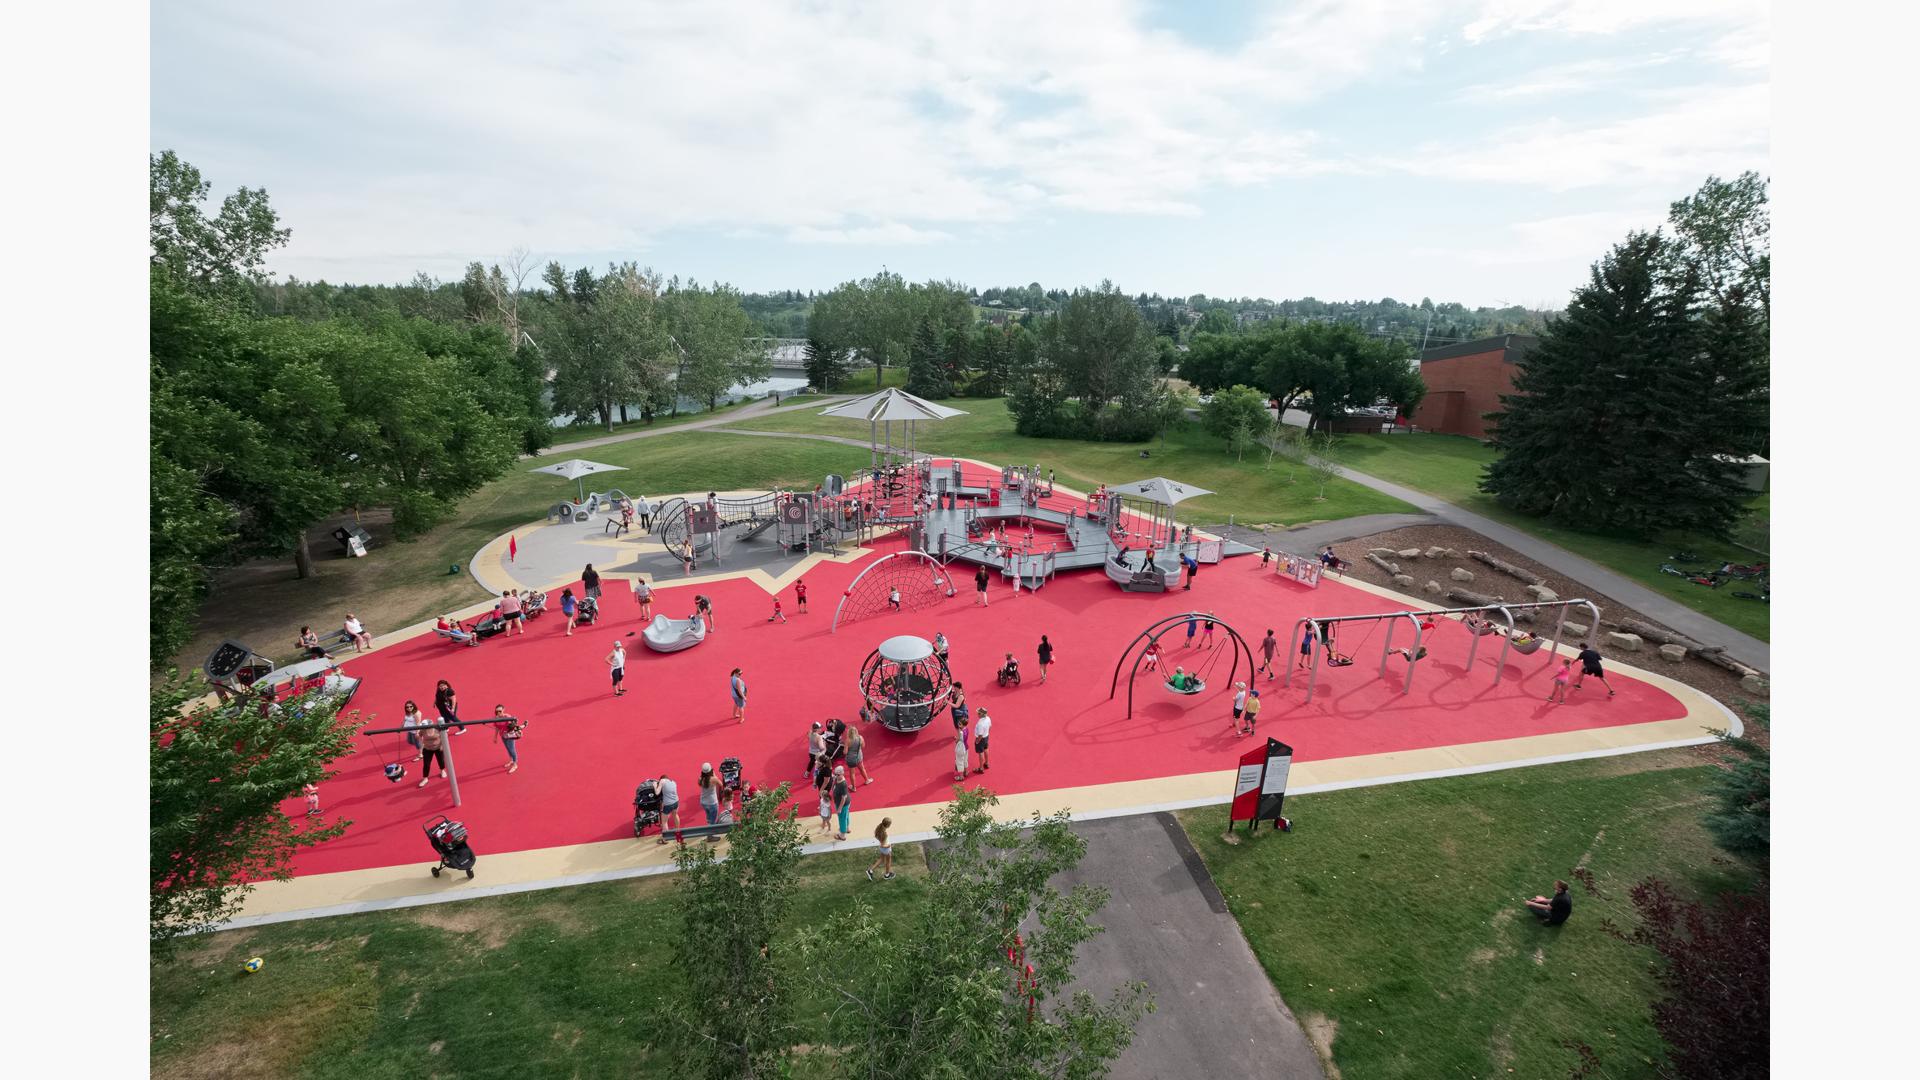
(1216, 1013)
(763, 407)
(1745, 648)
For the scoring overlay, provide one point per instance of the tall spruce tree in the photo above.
(1626, 414)
(927, 364)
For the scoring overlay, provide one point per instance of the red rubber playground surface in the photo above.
(585, 750)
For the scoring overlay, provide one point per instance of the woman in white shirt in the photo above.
(357, 633)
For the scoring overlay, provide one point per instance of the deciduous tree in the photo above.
(217, 777)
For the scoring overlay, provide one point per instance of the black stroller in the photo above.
(449, 840)
(487, 626)
(589, 611)
(646, 807)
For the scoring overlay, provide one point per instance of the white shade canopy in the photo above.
(891, 404)
(1160, 489)
(575, 468)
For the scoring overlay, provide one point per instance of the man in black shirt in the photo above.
(1590, 665)
(1555, 911)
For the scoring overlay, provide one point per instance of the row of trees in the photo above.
(627, 339)
(262, 427)
(1325, 368)
(1097, 372)
(1633, 412)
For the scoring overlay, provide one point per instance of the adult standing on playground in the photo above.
(669, 805)
(957, 705)
(570, 608)
(643, 595)
(590, 581)
(703, 607)
(617, 666)
(857, 753)
(410, 718)
(510, 612)
(816, 748)
(1268, 646)
(737, 685)
(1193, 569)
(842, 800)
(432, 749)
(1590, 665)
(960, 746)
(509, 733)
(710, 786)
(980, 584)
(1239, 703)
(448, 705)
(1046, 656)
(982, 727)
(645, 509)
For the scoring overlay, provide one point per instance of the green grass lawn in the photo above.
(554, 983)
(1449, 466)
(859, 380)
(401, 583)
(1249, 490)
(1393, 913)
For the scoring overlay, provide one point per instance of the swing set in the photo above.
(1201, 675)
(1310, 629)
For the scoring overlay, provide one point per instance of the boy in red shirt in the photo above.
(799, 596)
(777, 614)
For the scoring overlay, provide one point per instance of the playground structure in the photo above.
(234, 670)
(1414, 651)
(917, 576)
(905, 683)
(704, 531)
(897, 473)
(666, 635)
(1203, 669)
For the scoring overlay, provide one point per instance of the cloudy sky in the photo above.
(1481, 150)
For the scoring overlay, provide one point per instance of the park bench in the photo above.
(618, 524)
(714, 831)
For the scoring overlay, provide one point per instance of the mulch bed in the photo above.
(1714, 681)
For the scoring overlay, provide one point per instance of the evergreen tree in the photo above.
(926, 366)
(826, 364)
(994, 354)
(1625, 414)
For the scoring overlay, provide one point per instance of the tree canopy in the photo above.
(1332, 367)
(217, 776)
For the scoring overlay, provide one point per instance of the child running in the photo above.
(1153, 655)
(1268, 645)
(777, 613)
(1561, 679)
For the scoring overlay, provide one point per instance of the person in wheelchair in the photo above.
(1010, 671)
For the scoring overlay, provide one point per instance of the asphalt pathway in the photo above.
(763, 407)
(1745, 648)
(1216, 1013)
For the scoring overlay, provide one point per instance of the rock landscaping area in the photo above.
(1427, 562)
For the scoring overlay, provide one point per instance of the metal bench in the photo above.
(714, 831)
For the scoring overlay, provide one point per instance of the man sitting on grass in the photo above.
(1555, 911)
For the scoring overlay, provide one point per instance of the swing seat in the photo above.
(1195, 686)
(1484, 629)
(1336, 660)
(1531, 645)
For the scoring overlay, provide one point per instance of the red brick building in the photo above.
(1465, 381)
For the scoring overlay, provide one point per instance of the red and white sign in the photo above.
(1260, 785)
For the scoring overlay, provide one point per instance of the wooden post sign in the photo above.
(1260, 786)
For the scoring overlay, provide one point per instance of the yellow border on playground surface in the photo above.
(408, 884)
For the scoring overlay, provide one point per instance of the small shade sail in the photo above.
(575, 468)
(1159, 489)
(891, 404)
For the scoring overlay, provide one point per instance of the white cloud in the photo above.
(444, 132)
(1697, 131)
(1554, 239)
(1498, 18)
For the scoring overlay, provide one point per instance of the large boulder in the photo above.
(1625, 642)
(1405, 581)
(1436, 552)
(1753, 684)
(1461, 575)
(1577, 629)
(1384, 553)
(1408, 553)
(1434, 587)
(1673, 653)
(1452, 554)
(1542, 593)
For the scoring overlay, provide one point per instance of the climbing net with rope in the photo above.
(903, 581)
